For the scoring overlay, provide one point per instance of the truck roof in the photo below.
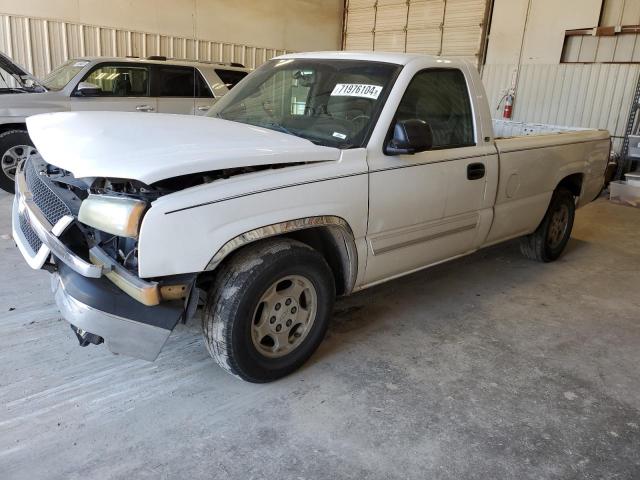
(386, 57)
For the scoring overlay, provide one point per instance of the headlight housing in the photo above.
(119, 216)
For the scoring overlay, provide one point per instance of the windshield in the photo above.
(329, 102)
(62, 75)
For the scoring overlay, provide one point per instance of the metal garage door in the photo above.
(438, 27)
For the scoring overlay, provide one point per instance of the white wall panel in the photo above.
(464, 13)
(546, 23)
(361, 20)
(392, 17)
(582, 95)
(426, 14)
(359, 41)
(427, 41)
(40, 45)
(437, 27)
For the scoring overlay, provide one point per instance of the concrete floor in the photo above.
(490, 367)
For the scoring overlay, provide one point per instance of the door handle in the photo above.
(145, 108)
(475, 171)
(203, 108)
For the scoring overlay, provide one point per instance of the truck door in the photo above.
(120, 87)
(433, 205)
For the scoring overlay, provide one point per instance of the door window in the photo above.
(440, 97)
(120, 81)
(230, 78)
(172, 81)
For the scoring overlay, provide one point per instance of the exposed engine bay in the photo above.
(81, 237)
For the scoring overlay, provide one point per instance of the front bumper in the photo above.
(97, 306)
(98, 296)
(41, 240)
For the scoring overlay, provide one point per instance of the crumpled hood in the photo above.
(151, 146)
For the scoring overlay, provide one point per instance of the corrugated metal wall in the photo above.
(438, 27)
(589, 95)
(40, 45)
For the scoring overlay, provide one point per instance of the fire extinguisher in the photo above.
(508, 105)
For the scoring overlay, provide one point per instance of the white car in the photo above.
(154, 84)
(321, 174)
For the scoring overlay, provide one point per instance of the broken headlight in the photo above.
(119, 216)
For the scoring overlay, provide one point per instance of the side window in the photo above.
(230, 77)
(440, 97)
(174, 81)
(202, 88)
(120, 80)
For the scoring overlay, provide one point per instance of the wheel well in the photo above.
(5, 127)
(331, 242)
(573, 183)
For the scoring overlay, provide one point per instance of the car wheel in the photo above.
(269, 309)
(549, 240)
(15, 147)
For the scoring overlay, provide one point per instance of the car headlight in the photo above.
(116, 215)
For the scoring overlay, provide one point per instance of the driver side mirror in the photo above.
(410, 136)
(88, 89)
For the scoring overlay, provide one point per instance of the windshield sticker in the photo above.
(356, 90)
(339, 135)
(80, 64)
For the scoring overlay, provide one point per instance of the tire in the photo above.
(12, 152)
(254, 294)
(548, 242)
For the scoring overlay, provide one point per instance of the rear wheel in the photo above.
(268, 310)
(549, 240)
(15, 147)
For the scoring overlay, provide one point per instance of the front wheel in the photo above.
(15, 146)
(268, 310)
(549, 240)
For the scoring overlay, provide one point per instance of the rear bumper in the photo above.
(97, 306)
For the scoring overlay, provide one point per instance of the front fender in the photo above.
(183, 234)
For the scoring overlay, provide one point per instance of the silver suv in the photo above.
(148, 85)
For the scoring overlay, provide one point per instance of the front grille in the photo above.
(32, 239)
(50, 204)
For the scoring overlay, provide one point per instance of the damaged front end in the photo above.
(86, 235)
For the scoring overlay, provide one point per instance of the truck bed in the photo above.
(509, 129)
(532, 165)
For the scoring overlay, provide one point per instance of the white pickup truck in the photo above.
(320, 174)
